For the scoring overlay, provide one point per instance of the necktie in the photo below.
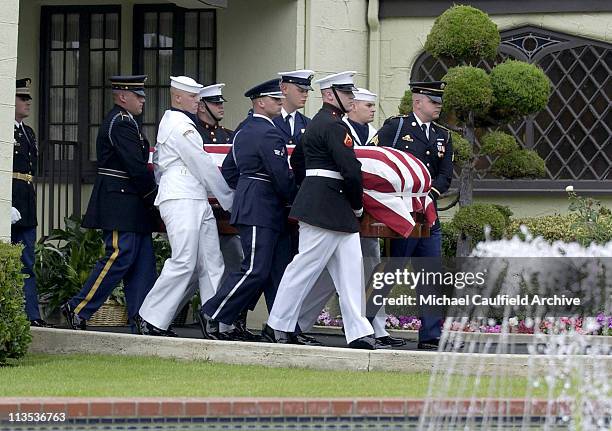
(425, 130)
(288, 119)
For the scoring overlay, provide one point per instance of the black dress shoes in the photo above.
(209, 327)
(388, 342)
(307, 340)
(241, 330)
(145, 328)
(273, 336)
(73, 319)
(365, 343)
(40, 323)
(429, 344)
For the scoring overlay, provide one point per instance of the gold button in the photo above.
(427, 152)
(427, 164)
(214, 139)
(122, 191)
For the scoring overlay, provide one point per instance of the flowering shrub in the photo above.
(598, 325)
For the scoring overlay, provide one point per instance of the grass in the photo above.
(127, 376)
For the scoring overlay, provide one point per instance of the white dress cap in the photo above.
(365, 95)
(185, 83)
(342, 81)
(212, 93)
(301, 78)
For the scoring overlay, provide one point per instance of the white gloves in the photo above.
(358, 213)
(15, 215)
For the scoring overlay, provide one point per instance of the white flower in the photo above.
(513, 321)
(569, 189)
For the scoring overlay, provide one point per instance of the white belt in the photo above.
(181, 169)
(324, 173)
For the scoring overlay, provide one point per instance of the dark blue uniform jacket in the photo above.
(265, 183)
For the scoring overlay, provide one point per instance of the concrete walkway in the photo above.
(63, 341)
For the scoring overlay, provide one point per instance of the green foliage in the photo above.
(519, 89)
(14, 326)
(519, 164)
(505, 211)
(462, 149)
(449, 239)
(468, 89)
(497, 144)
(587, 222)
(562, 228)
(65, 259)
(405, 106)
(463, 33)
(593, 222)
(162, 250)
(472, 219)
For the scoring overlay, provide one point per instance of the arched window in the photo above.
(573, 133)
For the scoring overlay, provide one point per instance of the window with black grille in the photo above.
(169, 40)
(573, 133)
(80, 50)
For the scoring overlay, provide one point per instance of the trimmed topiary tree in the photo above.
(14, 326)
(472, 219)
(479, 101)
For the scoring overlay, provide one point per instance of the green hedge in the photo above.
(566, 228)
(14, 326)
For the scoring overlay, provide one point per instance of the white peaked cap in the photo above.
(212, 90)
(185, 83)
(343, 81)
(365, 95)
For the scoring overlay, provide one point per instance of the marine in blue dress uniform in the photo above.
(419, 135)
(23, 211)
(327, 206)
(121, 204)
(264, 187)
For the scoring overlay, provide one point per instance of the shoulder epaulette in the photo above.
(398, 116)
(119, 116)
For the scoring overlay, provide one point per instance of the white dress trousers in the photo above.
(323, 290)
(340, 253)
(193, 237)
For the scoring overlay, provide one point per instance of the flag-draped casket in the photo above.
(396, 187)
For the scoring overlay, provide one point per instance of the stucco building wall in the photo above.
(8, 62)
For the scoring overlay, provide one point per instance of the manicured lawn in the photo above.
(117, 376)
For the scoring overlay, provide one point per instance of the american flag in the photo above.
(395, 185)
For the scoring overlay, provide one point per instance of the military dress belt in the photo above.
(113, 173)
(324, 173)
(23, 177)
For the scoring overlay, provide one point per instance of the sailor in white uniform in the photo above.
(187, 174)
(359, 120)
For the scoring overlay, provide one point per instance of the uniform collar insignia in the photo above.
(407, 138)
